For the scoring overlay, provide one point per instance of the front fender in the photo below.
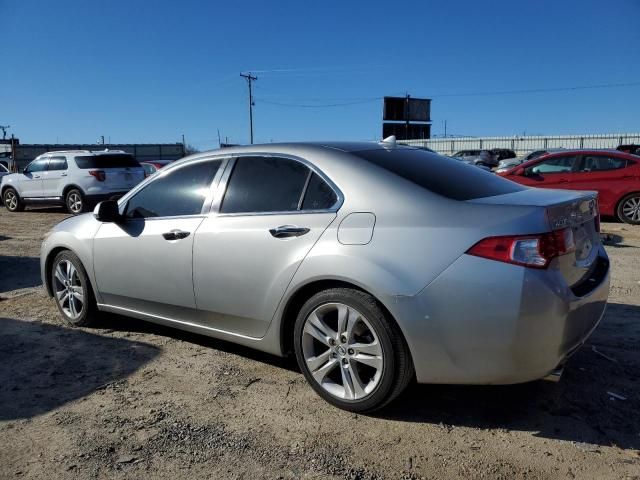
(75, 234)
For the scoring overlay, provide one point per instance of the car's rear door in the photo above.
(246, 251)
(609, 174)
(144, 262)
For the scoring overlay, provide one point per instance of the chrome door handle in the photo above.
(563, 180)
(36, 176)
(63, 174)
(287, 231)
(176, 235)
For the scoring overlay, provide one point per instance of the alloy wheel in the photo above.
(75, 202)
(342, 351)
(68, 289)
(631, 209)
(11, 200)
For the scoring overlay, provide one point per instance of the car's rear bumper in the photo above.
(487, 322)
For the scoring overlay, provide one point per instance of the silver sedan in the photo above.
(374, 264)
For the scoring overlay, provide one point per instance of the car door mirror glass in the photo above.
(107, 212)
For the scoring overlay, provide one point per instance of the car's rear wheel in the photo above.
(12, 201)
(350, 351)
(629, 209)
(75, 202)
(72, 291)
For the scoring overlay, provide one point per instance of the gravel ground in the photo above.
(132, 399)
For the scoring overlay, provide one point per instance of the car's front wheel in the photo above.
(12, 201)
(629, 209)
(75, 202)
(350, 351)
(72, 291)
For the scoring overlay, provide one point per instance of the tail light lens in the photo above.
(535, 251)
(99, 174)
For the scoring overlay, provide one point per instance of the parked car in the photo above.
(614, 175)
(368, 261)
(509, 163)
(151, 167)
(630, 148)
(478, 157)
(75, 179)
(503, 153)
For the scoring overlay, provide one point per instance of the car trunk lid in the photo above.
(564, 209)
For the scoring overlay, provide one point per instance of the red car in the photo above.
(152, 166)
(614, 175)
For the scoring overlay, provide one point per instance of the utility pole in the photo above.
(102, 139)
(4, 129)
(407, 114)
(445, 129)
(184, 146)
(250, 78)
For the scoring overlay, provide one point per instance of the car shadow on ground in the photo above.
(38, 376)
(121, 323)
(580, 408)
(19, 272)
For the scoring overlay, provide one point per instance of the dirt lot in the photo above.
(132, 400)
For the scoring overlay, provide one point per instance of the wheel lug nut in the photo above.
(334, 355)
(343, 339)
(345, 361)
(332, 342)
(351, 351)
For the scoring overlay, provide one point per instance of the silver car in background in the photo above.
(373, 263)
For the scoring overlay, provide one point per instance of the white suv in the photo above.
(75, 179)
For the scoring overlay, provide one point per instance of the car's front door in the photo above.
(554, 172)
(54, 177)
(144, 262)
(244, 256)
(31, 179)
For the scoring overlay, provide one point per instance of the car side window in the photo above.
(596, 163)
(180, 192)
(265, 184)
(57, 163)
(562, 164)
(319, 195)
(39, 165)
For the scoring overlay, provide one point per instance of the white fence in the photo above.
(522, 145)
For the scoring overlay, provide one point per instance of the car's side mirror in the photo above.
(107, 212)
(25, 170)
(520, 171)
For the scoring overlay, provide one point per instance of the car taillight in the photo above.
(534, 251)
(99, 174)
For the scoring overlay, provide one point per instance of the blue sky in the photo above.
(149, 71)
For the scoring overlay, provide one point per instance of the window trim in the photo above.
(213, 187)
(224, 184)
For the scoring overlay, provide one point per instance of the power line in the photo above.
(467, 94)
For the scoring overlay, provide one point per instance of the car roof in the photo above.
(300, 147)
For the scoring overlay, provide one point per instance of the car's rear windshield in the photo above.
(442, 175)
(106, 161)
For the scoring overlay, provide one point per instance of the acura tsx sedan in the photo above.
(374, 263)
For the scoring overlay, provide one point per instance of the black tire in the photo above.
(75, 202)
(88, 314)
(631, 215)
(12, 201)
(397, 370)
